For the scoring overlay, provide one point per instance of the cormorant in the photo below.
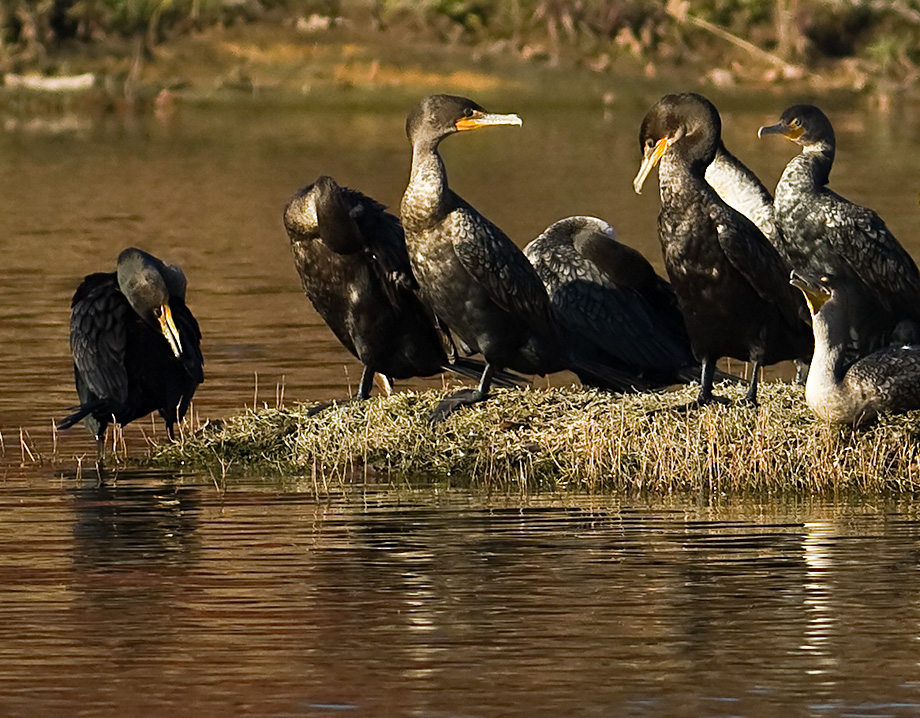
(612, 305)
(851, 393)
(730, 282)
(136, 346)
(823, 232)
(470, 273)
(351, 256)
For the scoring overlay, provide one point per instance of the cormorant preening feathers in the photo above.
(613, 308)
(730, 282)
(742, 190)
(822, 232)
(136, 346)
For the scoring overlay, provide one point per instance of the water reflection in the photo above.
(148, 595)
(134, 550)
(817, 544)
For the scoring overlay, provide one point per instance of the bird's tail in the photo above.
(473, 368)
(602, 376)
(81, 413)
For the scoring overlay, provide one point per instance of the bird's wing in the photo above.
(386, 242)
(860, 236)
(894, 372)
(190, 336)
(752, 255)
(498, 265)
(98, 335)
(621, 323)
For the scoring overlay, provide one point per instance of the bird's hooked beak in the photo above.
(484, 119)
(815, 291)
(168, 327)
(651, 157)
(781, 128)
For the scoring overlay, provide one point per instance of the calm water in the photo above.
(159, 595)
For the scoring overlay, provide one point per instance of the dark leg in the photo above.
(801, 371)
(464, 397)
(364, 392)
(97, 428)
(751, 396)
(367, 383)
(707, 377)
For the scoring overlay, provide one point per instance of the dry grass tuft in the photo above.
(570, 439)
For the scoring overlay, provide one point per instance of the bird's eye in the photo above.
(158, 312)
(468, 112)
(650, 143)
(796, 122)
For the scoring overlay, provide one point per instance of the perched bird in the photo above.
(730, 282)
(136, 346)
(351, 256)
(612, 305)
(823, 232)
(469, 272)
(852, 393)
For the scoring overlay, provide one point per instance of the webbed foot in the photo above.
(449, 404)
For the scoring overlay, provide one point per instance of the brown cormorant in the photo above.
(136, 346)
(470, 273)
(850, 393)
(612, 305)
(730, 282)
(823, 232)
(351, 256)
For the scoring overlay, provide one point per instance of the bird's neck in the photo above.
(425, 200)
(676, 175)
(828, 362)
(807, 172)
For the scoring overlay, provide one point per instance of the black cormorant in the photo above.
(613, 307)
(470, 273)
(351, 256)
(823, 232)
(850, 393)
(136, 346)
(731, 283)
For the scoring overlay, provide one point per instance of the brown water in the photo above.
(154, 596)
(150, 597)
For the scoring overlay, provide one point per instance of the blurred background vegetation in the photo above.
(880, 37)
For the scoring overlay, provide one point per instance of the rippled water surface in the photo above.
(151, 597)
(159, 595)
